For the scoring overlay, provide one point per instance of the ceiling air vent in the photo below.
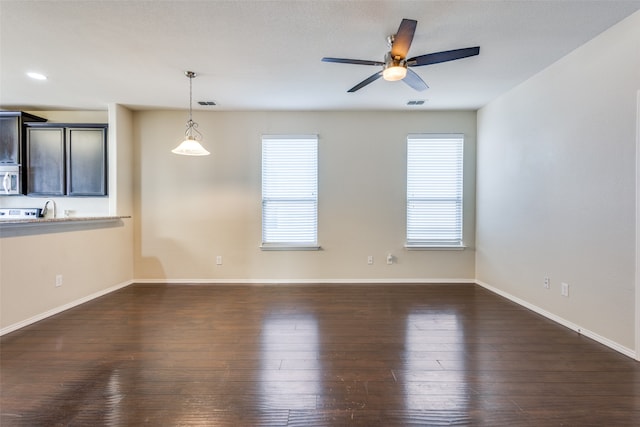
(416, 102)
(206, 103)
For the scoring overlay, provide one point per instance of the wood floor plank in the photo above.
(310, 355)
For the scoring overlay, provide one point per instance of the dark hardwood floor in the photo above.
(310, 355)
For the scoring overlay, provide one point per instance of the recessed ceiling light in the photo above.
(37, 76)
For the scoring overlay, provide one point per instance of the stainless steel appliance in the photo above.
(20, 213)
(10, 179)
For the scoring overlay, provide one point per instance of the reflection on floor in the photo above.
(306, 355)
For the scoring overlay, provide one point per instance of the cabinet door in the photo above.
(10, 140)
(45, 161)
(86, 162)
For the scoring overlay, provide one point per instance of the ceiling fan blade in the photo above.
(365, 82)
(413, 80)
(403, 38)
(352, 61)
(449, 55)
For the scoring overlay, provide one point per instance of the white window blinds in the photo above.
(434, 190)
(289, 191)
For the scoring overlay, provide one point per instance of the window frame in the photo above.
(413, 242)
(277, 244)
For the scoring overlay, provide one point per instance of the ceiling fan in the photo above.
(396, 65)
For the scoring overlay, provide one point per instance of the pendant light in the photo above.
(190, 146)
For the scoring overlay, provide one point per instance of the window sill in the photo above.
(433, 247)
(288, 247)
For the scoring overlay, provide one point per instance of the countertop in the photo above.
(65, 220)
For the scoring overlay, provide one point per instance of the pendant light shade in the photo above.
(191, 145)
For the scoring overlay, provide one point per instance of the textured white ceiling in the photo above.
(265, 55)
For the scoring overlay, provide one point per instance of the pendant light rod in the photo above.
(191, 76)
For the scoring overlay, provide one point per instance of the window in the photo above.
(434, 190)
(289, 192)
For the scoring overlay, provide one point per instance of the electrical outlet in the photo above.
(219, 260)
(547, 283)
(370, 259)
(58, 280)
(564, 289)
(389, 259)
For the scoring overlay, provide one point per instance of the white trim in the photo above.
(290, 136)
(425, 135)
(426, 247)
(302, 281)
(288, 247)
(290, 213)
(577, 328)
(441, 183)
(637, 269)
(60, 309)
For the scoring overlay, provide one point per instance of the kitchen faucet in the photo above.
(45, 209)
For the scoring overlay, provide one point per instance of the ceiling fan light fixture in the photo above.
(394, 73)
(191, 146)
(395, 68)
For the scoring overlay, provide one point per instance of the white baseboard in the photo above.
(300, 281)
(60, 309)
(577, 328)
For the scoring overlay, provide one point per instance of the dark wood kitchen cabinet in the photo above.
(87, 161)
(66, 159)
(11, 131)
(45, 165)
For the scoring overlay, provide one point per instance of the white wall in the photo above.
(120, 160)
(556, 186)
(189, 210)
(91, 259)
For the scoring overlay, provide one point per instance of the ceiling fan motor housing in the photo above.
(390, 61)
